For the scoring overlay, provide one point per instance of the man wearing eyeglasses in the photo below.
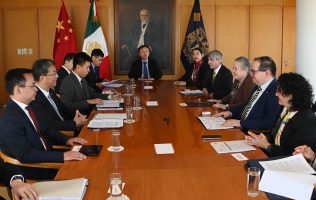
(50, 108)
(24, 136)
(261, 110)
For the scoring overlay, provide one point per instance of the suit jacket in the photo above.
(202, 78)
(93, 77)
(222, 84)
(136, 69)
(75, 96)
(20, 140)
(299, 130)
(48, 114)
(62, 73)
(242, 94)
(264, 113)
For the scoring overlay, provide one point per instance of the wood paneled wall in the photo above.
(236, 27)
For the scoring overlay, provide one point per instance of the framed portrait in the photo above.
(144, 22)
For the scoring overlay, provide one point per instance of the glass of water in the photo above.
(116, 184)
(116, 140)
(253, 178)
(129, 114)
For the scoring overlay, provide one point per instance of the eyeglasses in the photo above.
(255, 71)
(31, 86)
(53, 74)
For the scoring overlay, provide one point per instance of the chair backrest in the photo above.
(13, 161)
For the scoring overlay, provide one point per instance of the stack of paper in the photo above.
(110, 105)
(289, 177)
(192, 92)
(166, 148)
(73, 189)
(232, 146)
(213, 123)
(105, 123)
(110, 116)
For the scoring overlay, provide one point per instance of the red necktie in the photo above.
(38, 131)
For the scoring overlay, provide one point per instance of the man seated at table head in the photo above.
(198, 74)
(261, 110)
(242, 87)
(23, 136)
(75, 92)
(65, 70)
(221, 79)
(51, 110)
(93, 77)
(145, 67)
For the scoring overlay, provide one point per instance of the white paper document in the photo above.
(148, 87)
(151, 103)
(296, 163)
(106, 123)
(288, 184)
(114, 85)
(73, 189)
(213, 123)
(166, 148)
(121, 100)
(108, 82)
(232, 146)
(191, 92)
(110, 116)
(106, 104)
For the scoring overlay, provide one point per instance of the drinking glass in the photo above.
(116, 140)
(253, 178)
(116, 184)
(129, 114)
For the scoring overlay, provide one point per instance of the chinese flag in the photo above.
(64, 37)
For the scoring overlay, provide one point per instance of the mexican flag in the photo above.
(94, 39)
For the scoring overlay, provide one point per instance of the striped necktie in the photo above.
(51, 101)
(247, 108)
(213, 76)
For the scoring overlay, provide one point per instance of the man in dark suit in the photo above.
(221, 81)
(75, 92)
(198, 74)
(52, 111)
(261, 110)
(65, 70)
(93, 77)
(12, 177)
(145, 67)
(23, 136)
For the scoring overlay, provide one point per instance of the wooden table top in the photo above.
(194, 171)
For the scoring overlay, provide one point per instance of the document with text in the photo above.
(213, 123)
(110, 116)
(105, 123)
(232, 146)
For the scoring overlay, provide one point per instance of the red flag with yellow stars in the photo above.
(64, 37)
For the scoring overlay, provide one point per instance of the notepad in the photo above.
(166, 148)
(151, 103)
(73, 189)
(213, 123)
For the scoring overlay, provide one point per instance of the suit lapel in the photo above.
(78, 86)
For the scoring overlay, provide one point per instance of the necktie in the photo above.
(213, 76)
(195, 71)
(144, 25)
(234, 91)
(247, 108)
(145, 71)
(38, 131)
(51, 101)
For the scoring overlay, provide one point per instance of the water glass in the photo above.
(129, 90)
(116, 140)
(129, 114)
(132, 82)
(116, 184)
(137, 105)
(253, 178)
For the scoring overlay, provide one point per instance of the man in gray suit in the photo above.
(75, 92)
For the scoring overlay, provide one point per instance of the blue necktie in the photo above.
(145, 71)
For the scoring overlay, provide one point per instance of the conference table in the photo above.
(194, 171)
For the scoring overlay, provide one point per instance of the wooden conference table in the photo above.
(194, 171)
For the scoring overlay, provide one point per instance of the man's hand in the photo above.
(180, 83)
(95, 101)
(116, 96)
(23, 190)
(79, 119)
(77, 140)
(74, 155)
(232, 123)
(224, 114)
(99, 85)
(219, 106)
